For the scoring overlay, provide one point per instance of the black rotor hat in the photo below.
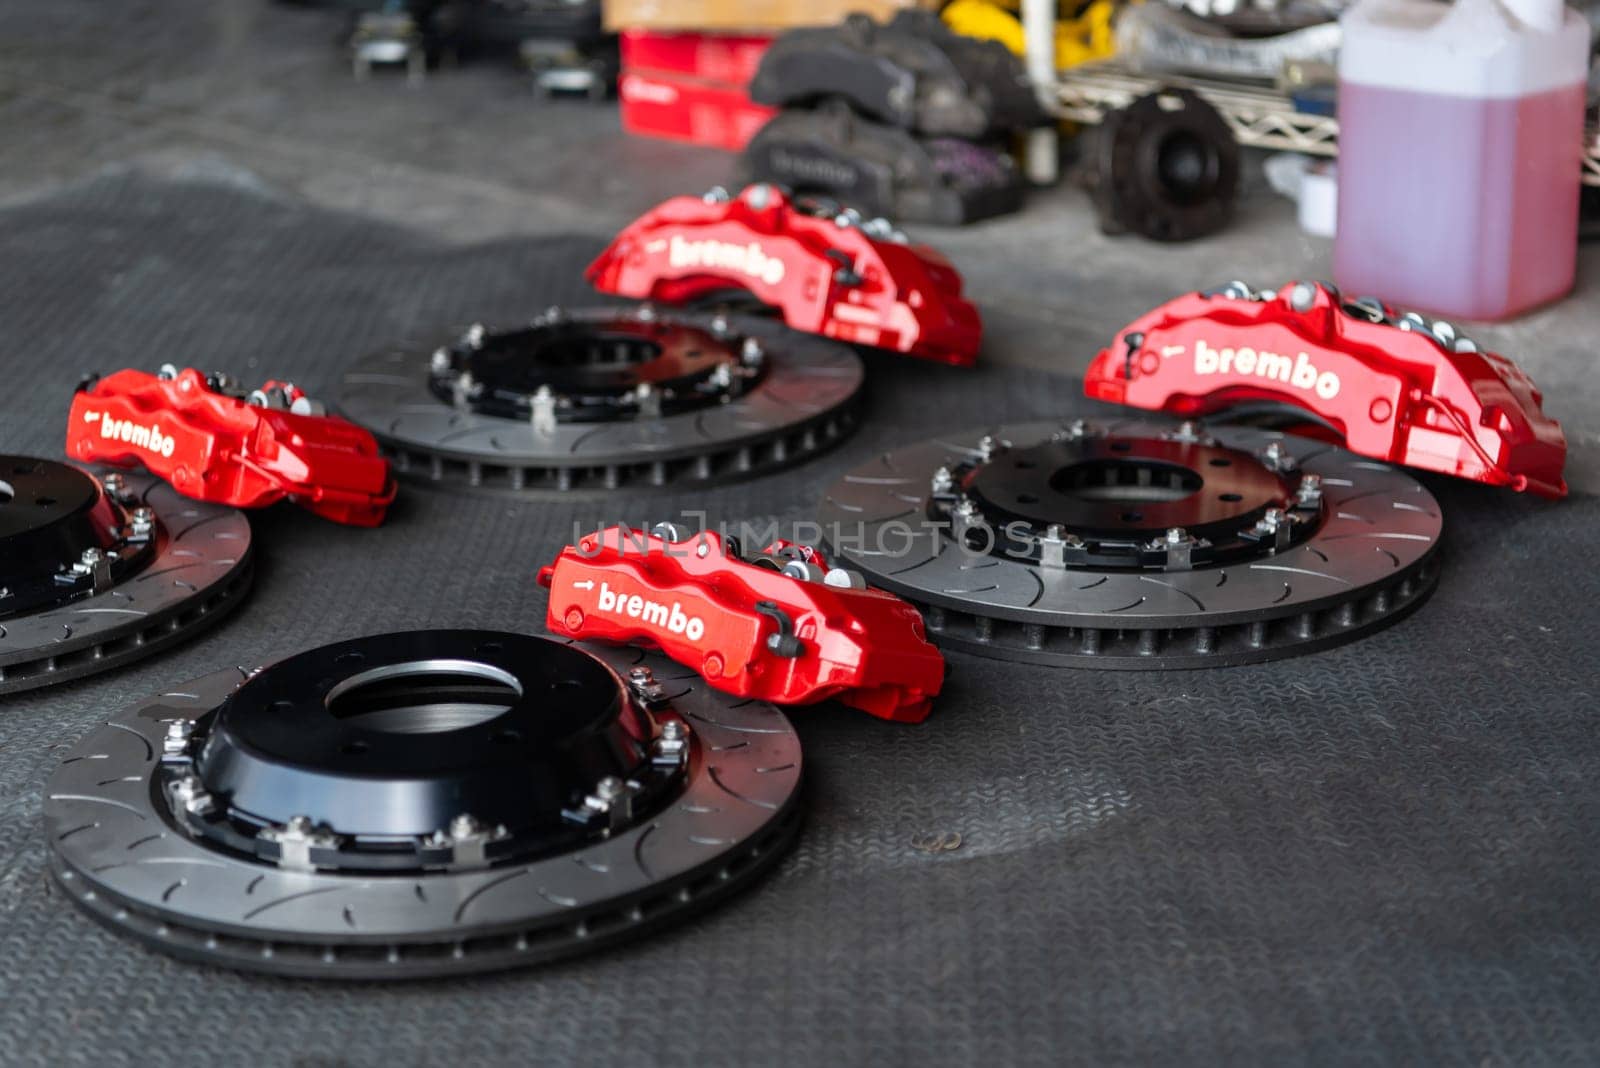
(101, 568)
(606, 398)
(420, 804)
(1138, 544)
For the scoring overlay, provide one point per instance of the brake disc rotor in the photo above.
(98, 569)
(420, 804)
(607, 398)
(1138, 544)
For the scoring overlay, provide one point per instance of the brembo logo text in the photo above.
(1297, 371)
(746, 259)
(672, 619)
(126, 430)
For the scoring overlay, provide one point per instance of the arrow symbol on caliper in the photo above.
(586, 584)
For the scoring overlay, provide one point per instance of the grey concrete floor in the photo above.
(258, 92)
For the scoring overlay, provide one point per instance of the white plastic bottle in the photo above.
(1460, 139)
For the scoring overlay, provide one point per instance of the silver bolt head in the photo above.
(1175, 535)
(715, 195)
(641, 674)
(673, 730)
(843, 579)
(440, 360)
(751, 351)
(463, 826)
(609, 788)
(300, 824)
(1302, 295)
(92, 556)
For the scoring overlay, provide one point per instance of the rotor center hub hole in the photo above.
(424, 697)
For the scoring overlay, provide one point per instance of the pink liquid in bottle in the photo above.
(1460, 143)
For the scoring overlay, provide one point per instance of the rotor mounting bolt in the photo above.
(179, 733)
(115, 486)
(943, 480)
(475, 335)
(1176, 535)
(141, 522)
(1188, 430)
(1310, 489)
(1302, 295)
(1053, 546)
(464, 826)
(190, 795)
(988, 445)
(645, 312)
(609, 788)
(672, 744)
(967, 507)
(544, 411)
(440, 360)
(751, 351)
(720, 326)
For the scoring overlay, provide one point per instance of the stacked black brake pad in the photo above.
(883, 170)
(903, 118)
(911, 72)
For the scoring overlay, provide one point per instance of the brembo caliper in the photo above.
(780, 625)
(1394, 385)
(828, 271)
(248, 450)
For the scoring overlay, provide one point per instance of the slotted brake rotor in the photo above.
(600, 399)
(1138, 544)
(423, 803)
(98, 569)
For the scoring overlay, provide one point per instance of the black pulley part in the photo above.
(421, 804)
(98, 568)
(607, 398)
(912, 72)
(882, 170)
(1138, 544)
(1166, 167)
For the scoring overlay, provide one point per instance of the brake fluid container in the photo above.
(1460, 140)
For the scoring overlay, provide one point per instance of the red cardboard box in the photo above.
(725, 58)
(684, 109)
(691, 86)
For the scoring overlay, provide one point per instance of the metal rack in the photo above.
(1260, 117)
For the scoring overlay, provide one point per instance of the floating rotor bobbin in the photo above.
(605, 398)
(101, 568)
(1138, 545)
(421, 804)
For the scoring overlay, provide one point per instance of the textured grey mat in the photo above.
(1385, 853)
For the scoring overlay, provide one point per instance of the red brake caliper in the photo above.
(214, 446)
(827, 273)
(781, 626)
(1395, 386)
